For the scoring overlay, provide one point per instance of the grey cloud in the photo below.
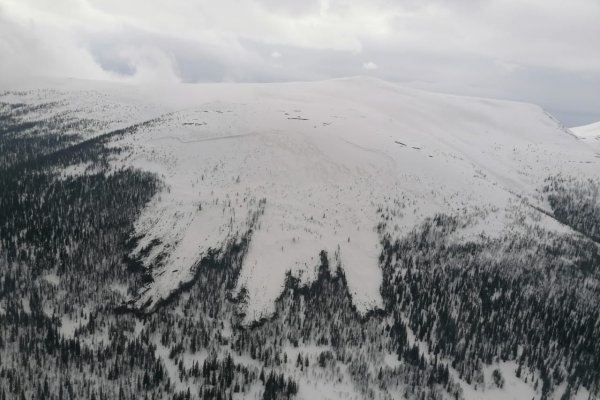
(292, 7)
(539, 50)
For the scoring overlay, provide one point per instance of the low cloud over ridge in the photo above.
(532, 50)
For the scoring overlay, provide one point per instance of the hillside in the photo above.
(395, 238)
(591, 131)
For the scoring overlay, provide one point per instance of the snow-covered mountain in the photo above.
(396, 238)
(591, 131)
(327, 158)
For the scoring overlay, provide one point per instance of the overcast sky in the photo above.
(543, 51)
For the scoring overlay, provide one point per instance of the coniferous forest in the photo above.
(452, 311)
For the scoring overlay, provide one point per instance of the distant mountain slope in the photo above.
(591, 131)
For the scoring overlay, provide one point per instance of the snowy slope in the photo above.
(591, 131)
(106, 106)
(324, 160)
(590, 135)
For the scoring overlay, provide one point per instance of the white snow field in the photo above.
(589, 134)
(322, 160)
(591, 131)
